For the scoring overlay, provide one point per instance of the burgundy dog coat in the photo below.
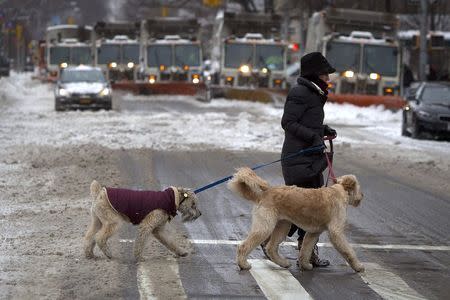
(136, 205)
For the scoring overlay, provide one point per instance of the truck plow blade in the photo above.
(169, 88)
(390, 102)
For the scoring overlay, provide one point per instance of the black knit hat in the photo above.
(315, 64)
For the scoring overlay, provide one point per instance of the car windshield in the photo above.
(436, 95)
(238, 54)
(59, 55)
(270, 56)
(158, 55)
(131, 53)
(108, 54)
(380, 59)
(82, 76)
(343, 56)
(81, 56)
(187, 55)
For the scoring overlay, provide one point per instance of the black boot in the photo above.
(316, 261)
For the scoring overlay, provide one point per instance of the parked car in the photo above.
(82, 87)
(4, 66)
(427, 112)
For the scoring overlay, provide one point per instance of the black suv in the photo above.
(4, 66)
(427, 112)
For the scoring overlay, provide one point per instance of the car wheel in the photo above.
(416, 133)
(404, 130)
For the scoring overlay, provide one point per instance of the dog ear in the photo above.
(348, 182)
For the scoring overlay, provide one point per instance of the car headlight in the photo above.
(63, 93)
(425, 114)
(105, 92)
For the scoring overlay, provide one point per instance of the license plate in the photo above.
(85, 101)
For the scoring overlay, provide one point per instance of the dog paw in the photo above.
(284, 264)
(359, 268)
(245, 266)
(307, 266)
(183, 253)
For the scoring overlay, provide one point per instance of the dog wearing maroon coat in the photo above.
(149, 210)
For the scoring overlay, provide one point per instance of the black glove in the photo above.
(328, 131)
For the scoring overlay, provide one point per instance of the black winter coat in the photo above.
(302, 120)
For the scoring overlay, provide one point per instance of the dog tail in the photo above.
(95, 188)
(247, 184)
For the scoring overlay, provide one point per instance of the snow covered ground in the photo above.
(30, 116)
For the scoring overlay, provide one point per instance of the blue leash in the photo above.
(307, 150)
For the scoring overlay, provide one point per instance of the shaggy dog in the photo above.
(106, 217)
(313, 210)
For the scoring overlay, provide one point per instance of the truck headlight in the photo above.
(63, 92)
(63, 65)
(105, 92)
(244, 69)
(349, 74)
(264, 70)
(195, 78)
(130, 65)
(113, 65)
(374, 76)
(152, 79)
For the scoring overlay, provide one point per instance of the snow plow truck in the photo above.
(363, 48)
(248, 57)
(65, 45)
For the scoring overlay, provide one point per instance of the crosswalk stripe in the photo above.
(387, 284)
(150, 280)
(276, 282)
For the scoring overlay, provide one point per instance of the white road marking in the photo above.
(387, 284)
(328, 245)
(150, 280)
(276, 282)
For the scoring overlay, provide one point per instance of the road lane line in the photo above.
(387, 284)
(276, 282)
(327, 245)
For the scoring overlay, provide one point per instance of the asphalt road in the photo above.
(393, 213)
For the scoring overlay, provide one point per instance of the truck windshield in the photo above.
(82, 76)
(108, 54)
(270, 56)
(380, 59)
(130, 54)
(59, 55)
(81, 56)
(238, 54)
(187, 55)
(158, 55)
(343, 56)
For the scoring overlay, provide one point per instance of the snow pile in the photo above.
(28, 117)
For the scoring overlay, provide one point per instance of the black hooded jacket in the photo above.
(303, 120)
